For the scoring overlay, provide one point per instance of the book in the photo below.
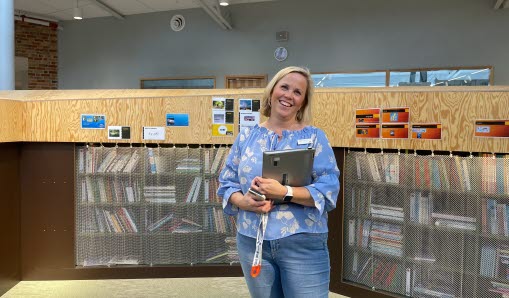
(217, 160)
(192, 189)
(160, 222)
(391, 168)
(132, 163)
(351, 231)
(151, 161)
(110, 156)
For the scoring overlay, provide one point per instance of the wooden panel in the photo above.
(10, 273)
(490, 105)
(47, 207)
(30, 95)
(457, 111)
(10, 121)
(47, 123)
(333, 110)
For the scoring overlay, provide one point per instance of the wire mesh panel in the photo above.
(494, 245)
(151, 206)
(427, 226)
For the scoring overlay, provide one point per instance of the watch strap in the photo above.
(289, 194)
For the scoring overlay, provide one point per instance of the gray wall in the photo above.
(325, 35)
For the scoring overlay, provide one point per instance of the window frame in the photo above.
(213, 78)
(388, 73)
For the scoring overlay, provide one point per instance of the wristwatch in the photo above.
(289, 194)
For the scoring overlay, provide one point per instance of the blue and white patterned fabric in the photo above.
(245, 162)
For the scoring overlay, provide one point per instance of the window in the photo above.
(360, 79)
(441, 77)
(245, 81)
(454, 76)
(179, 83)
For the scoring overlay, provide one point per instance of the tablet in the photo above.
(291, 167)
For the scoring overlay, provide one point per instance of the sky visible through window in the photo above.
(458, 77)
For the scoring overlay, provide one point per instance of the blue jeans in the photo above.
(294, 266)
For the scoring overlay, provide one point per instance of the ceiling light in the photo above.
(78, 15)
(224, 2)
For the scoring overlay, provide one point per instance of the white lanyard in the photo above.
(257, 258)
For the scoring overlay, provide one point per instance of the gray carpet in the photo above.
(164, 287)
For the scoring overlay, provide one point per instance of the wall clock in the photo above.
(280, 54)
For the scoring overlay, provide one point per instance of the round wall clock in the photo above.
(280, 54)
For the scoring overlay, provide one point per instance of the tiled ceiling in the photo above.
(64, 9)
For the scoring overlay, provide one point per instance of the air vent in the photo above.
(177, 22)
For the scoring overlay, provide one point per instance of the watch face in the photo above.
(280, 54)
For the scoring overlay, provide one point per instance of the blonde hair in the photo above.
(304, 114)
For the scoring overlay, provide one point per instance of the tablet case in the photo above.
(291, 167)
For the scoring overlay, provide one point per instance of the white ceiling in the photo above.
(64, 9)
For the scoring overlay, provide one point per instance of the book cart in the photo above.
(414, 218)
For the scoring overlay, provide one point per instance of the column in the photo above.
(6, 44)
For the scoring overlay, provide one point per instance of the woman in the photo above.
(294, 257)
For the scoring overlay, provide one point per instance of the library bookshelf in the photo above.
(426, 225)
(151, 206)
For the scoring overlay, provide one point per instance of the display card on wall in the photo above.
(221, 130)
(119, 132)
(395, 131)
(222, 116)
(367, 131)
(249, 114)
(396, 115)
(427, 131)
(93, 121)
(177, 119)
(154, 133)
(492, 128)
(370, 115)
(395, 122)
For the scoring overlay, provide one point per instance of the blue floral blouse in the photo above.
(244, 162)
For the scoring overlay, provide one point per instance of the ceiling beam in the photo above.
(499, 4)
(20, 13)
(110, 10)
(215, 12)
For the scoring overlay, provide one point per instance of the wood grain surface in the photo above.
(54, 115)
(11, 124)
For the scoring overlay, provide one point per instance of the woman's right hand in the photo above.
(249, 203)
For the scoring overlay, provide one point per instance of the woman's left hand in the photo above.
(271, 188)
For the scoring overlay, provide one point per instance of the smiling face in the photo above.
(288, 96)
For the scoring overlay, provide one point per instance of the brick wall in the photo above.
(39, 44)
